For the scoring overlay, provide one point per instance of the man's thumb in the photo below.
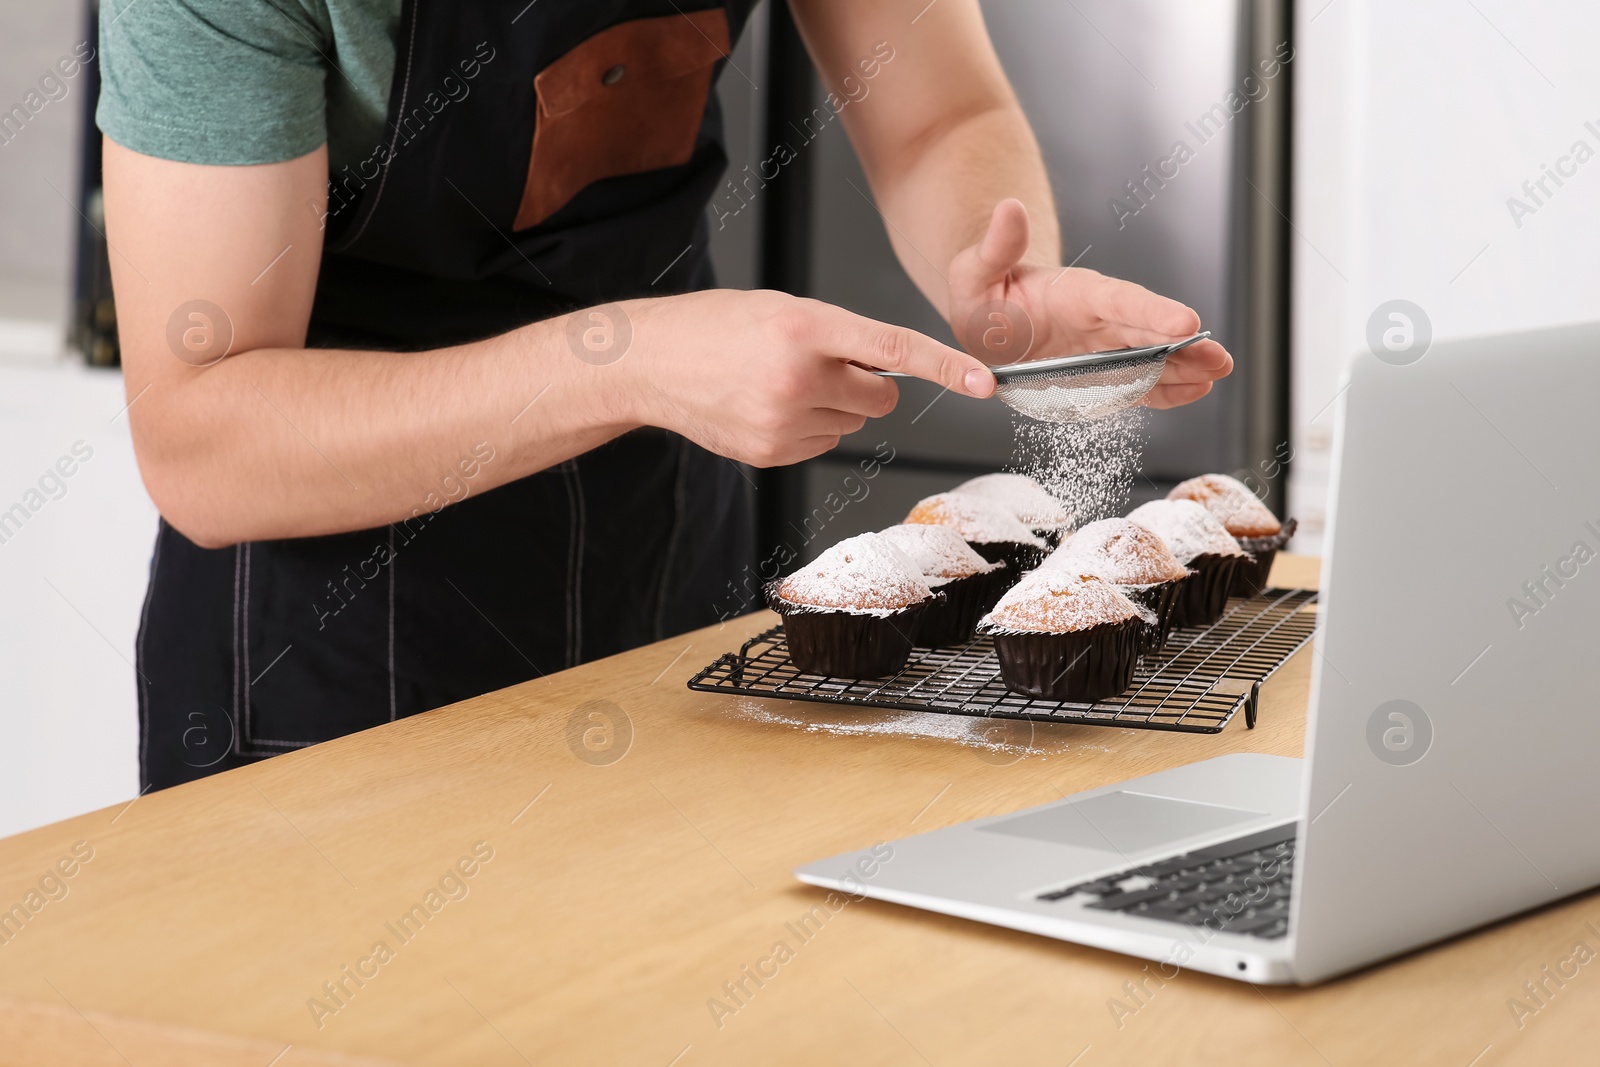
(1005, 242)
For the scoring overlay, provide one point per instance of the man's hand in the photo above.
(999, 301)
(943, 141)
(771, 379)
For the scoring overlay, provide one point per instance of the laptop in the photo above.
(1453, 733)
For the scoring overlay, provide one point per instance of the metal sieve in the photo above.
(1084, 387)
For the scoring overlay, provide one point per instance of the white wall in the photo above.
(1414, 124)
(72, 580)
(72, 577)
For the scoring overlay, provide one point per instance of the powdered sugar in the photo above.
(1023, 496)
(1087, 466)
(1119, 550)
(864, 575)
(1232, 502)
(941, 554)
(978, 519)
(1061, 600)
(1187, 528)
(1012, 737)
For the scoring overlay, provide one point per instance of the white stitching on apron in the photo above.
(238, 734)
(577, 599)
(244, 643)
(391, 566)
(394, 143)
(674, 535)
(245, 742)
(141, 678)
(569, 471)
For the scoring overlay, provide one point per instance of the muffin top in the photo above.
(1121, 551)
(941, 554)
(1026, 499)
(863, 575)
(1232, 502)
(1059, 601)
(1188, 529)
(976, 518)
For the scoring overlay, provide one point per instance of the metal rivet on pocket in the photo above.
(614, 75)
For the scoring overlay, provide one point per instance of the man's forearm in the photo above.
(244, 434)
(298, 442)
(939, 200)
(936, 125)
(290, 442)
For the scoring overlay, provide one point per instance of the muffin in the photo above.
(970, 583)
(987, 525)
(1202, 544)
(1243, 515)
(853, 611)
(1137, 561)
(1062, 635)
(1029, 501)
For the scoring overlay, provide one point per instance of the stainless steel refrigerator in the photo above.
(1112, 88)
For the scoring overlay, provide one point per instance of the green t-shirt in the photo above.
(247, 81)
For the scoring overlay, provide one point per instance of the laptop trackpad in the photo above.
(1121, 822)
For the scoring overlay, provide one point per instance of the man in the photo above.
(358, 248)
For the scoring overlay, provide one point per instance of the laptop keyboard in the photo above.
(1240, 886)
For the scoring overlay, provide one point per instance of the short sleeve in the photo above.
(226, 82)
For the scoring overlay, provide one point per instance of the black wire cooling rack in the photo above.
(1196, 684)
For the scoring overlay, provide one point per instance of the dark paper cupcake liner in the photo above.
(966, 600)
(1018, 556)
(1083, 666)
(1162, 599)
(844, 644)
(1250, 579)
(1052, 536)
(1204, 597)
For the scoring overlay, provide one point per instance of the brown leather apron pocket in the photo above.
(629, 99)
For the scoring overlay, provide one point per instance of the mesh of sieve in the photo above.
(1080, 388)
(1084, 388)
(1083, 395)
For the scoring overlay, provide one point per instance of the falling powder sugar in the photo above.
(1088, 466)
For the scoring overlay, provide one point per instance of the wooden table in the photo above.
(611, 906)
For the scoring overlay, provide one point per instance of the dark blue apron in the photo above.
(540, 157)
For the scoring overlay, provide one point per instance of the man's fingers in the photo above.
(909, 352)
(858, 391)
(1202, 361)
(812, 447)
(1171, 396)
(1090, 295)
(984, 267)
(880, 346)
(831, 423)
(797, 451)
(1004, 243)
